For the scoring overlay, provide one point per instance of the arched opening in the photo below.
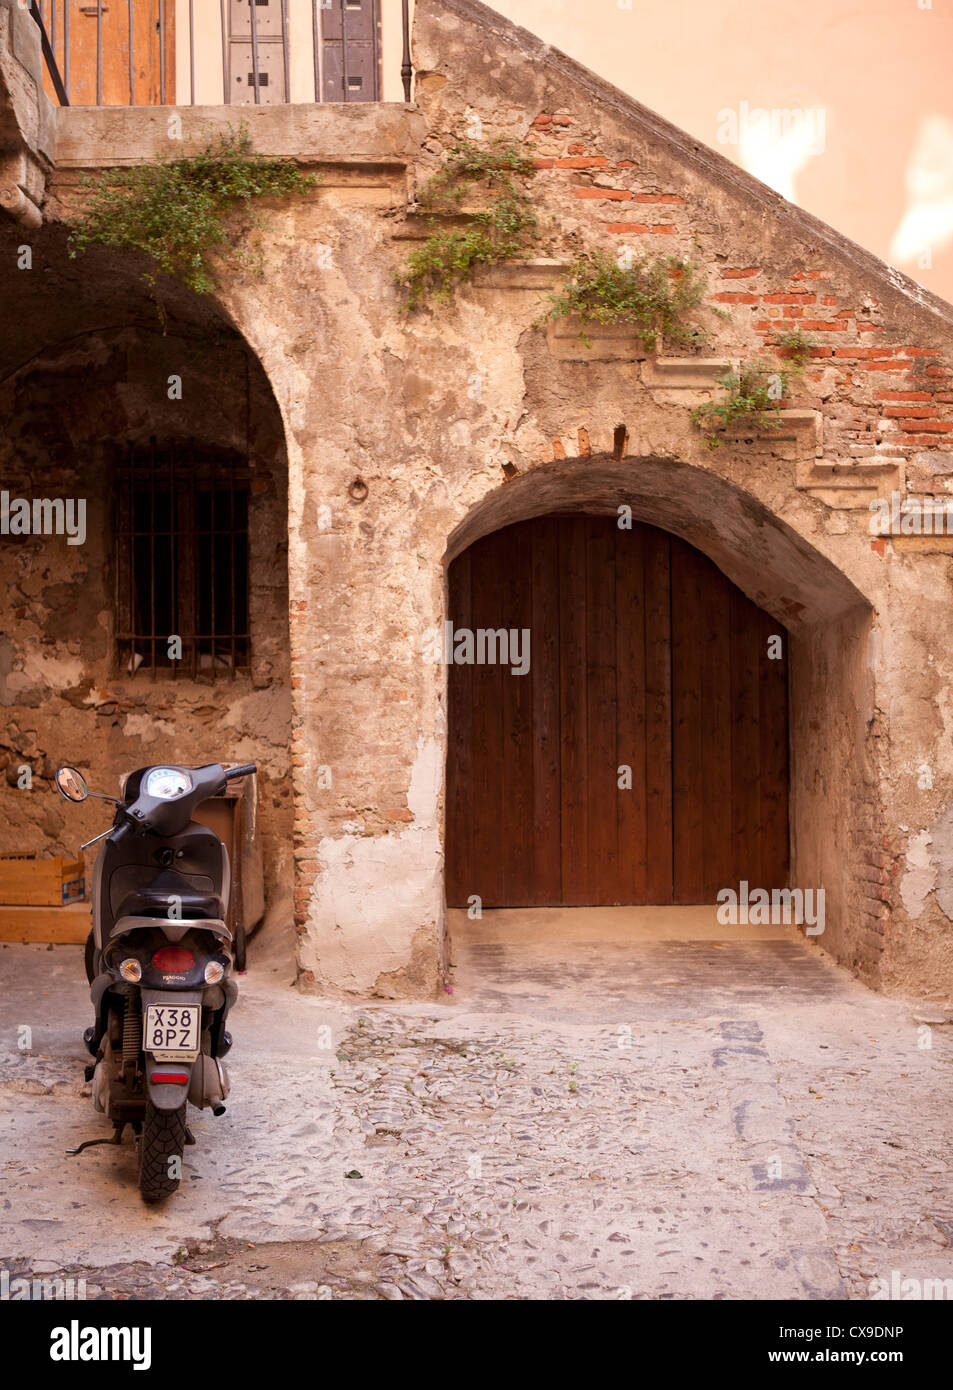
(159, 630)
(619, 724)
(745, 644)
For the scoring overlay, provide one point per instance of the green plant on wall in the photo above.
(754, 391)
(498, 232)
(176, 211)
(797, 345)
(751, 391)
(653, 294)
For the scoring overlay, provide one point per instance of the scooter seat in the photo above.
(187, 904)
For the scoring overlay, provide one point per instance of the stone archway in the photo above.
(89, 378)
(833, 807)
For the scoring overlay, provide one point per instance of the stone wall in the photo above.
(786, 518)
(407, 438)
(65, 696)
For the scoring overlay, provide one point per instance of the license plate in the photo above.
(171, 1032)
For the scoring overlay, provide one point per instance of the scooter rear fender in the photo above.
(172, 928)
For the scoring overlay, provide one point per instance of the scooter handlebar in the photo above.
(244, 770)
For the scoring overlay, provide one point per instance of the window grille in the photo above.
(181, 535)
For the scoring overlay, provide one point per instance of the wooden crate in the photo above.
(232, 817)
(58, 926)
(26, 881)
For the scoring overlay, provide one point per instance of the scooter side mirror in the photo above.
(71, 784)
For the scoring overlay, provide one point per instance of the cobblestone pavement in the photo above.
(650, 1119)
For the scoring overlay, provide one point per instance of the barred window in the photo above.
(181, 532)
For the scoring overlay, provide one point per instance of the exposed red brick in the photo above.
(863, 351)
(658, 198)
(627, 227)
(735, 297)
(826, 325)
(899, 412)
(576, 149)
(664, 229)
(934, 426)
(583, 162)
(618, 194)
(543, 163)
(741, 274)
(904, 396)
(794, 297)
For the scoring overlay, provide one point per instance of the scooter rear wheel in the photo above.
(162, 1139)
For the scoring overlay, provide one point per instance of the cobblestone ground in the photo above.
(666, 1119)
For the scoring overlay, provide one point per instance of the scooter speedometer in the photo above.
(166, 783)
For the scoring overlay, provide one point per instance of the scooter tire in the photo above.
(163, 1137)
(90, 958)
(240, 946)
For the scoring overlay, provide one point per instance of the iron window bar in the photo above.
(181, 544)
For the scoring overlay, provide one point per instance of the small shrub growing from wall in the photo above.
(754, 391)
(176, 211)
(653, 294)
(499, 231)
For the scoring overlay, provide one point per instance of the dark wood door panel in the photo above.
(730, 761)
(643, 757)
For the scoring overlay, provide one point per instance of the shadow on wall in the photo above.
(163, 635)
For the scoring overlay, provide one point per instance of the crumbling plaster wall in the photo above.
(69, 413)
(444, 415)
(27, 117)
(436, 414)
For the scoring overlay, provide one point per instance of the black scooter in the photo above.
(158, 959)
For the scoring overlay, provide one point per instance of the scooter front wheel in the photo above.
(89, 957)
(161, 1150)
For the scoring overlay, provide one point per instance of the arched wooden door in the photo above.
(643, 756)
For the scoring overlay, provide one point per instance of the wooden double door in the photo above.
(643, 756)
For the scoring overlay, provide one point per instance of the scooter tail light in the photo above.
(173, 960)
